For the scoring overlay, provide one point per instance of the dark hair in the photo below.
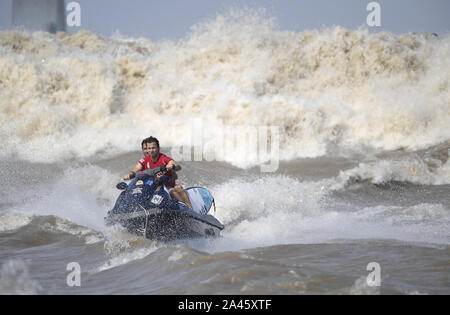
(150, 140)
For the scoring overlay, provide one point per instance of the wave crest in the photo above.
(329, 91)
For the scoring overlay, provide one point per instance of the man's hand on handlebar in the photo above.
(130, 175)
(172, 166)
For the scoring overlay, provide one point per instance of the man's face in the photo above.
(150, 149)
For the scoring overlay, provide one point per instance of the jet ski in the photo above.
(146, 209)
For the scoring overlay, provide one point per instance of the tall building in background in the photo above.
(39, 15)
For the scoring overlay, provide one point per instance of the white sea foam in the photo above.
(411, 169)
(126, 257)
(360, 287)
(13, 219)
(299, 212)
(79, 199)
(333, 90)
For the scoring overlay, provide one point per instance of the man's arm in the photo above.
(173, 165)
(131, 174)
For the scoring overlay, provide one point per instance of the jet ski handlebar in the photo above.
(156, 171)
(152, 172)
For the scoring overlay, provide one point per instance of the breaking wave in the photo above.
(330, 91)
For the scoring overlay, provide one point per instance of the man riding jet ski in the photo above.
(145, 208)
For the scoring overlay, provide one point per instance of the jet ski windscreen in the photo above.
(201, 199)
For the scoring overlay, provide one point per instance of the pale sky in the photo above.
(172, 19)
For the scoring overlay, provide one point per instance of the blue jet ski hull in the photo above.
(166, 225)
(147, 211)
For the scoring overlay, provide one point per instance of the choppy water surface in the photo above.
(363, 173)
